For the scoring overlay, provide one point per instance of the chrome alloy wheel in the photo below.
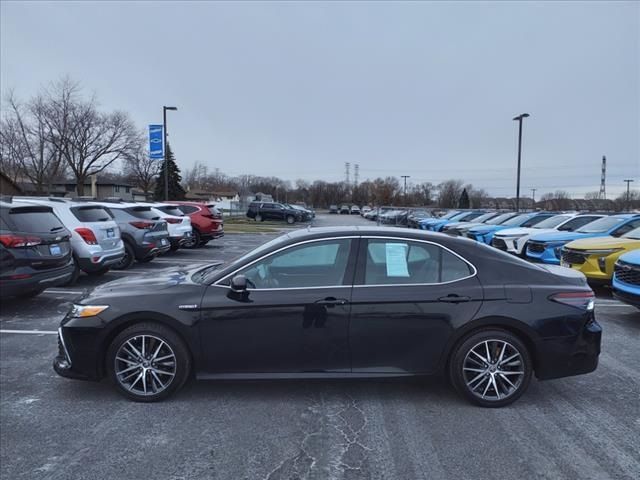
(145, 365)
(493, 370)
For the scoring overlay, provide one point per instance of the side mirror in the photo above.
(239, 284)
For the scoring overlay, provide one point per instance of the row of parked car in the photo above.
(604, 247)
(47, 242)
(290, 213)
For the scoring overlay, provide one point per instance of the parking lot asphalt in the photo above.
(585, 427)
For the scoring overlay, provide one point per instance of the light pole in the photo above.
(628, 197)
(405, 187)
(533, 195)
(519, 119)
(164, 149)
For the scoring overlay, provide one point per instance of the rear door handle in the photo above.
(453, 298)
(332, 301)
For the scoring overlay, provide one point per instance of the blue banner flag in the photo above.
(155, 142)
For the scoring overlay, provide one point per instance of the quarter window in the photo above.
(404, 262)
(316, 264)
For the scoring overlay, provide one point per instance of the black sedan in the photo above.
(339, 302)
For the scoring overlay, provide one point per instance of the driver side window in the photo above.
(316, 264)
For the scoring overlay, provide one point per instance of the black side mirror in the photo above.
(239, 284)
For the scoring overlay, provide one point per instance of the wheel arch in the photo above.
(131, 319)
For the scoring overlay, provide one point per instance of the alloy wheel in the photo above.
(145, 365)
(493, 370)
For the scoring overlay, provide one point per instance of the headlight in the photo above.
(603, 251)
(83, 311)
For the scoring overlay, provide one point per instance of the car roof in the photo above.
(53, 203)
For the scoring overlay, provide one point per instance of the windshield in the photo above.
(633, 234)
(602, 225)
(517, 220)
(450, 215)
(553, 222)
(500, 219)
(483, 218)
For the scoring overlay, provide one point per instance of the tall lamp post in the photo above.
(164, 149)
(519, 119)
(628, 181)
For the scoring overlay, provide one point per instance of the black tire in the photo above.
(174, 248)
(127, 260)
(146, 259)
(291, 219)
(194, 241)
(462, 359)
(182, 363)
(75, 274)
(259, 218)
(98, 273)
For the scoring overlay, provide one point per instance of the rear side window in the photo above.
(34, 220)
(91, 214)
(144, 212)
(188, 209)
(404, 262)
(626, 228)
(171, 210)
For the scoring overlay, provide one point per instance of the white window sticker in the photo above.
(396, 254)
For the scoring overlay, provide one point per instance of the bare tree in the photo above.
(11, 151)
(140, 168)
(449, 192)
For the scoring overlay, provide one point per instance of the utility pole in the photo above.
(628, 197)
(405, 187)
(164, 146)
(603, 177)
(356, 175)
(533, 194)
(519, 119)
(347, 169)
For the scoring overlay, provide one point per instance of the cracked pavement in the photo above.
(585, 427)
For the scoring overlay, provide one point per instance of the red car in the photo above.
(206, 221)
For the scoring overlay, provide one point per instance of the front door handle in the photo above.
(454, 298)
(332, 301)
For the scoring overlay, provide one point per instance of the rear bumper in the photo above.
(97, 262)
(36, 281)
(151, 249)
(558, 357)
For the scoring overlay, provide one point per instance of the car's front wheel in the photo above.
(491, 368)
(148, 362)
(291, 219)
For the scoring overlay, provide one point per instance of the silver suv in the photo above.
(144, 233)
(95, 236)
(178, 223)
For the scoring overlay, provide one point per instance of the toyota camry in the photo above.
(339, 303)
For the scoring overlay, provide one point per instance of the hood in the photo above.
(631, 257)
(561, 236)
(512, 232)
(459, 224)
(152, 283)
(482, 229)
(603, 243)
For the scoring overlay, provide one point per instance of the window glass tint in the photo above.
(626, 228)
(602, 225)
(535, 220)
(314, 264)
(171, 210)
(187, 209)
(484, 217)
(119, 214)
(91, 214)
(517, 220)
(404, 262)
(553, 222)
(34, 221)
(634, 234)
(576, 223)
(144, 212)
(500, 219)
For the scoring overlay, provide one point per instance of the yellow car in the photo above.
(595, 257)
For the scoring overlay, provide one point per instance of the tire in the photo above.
(75, 274)
(194, 241)
(174, 248)
(98, 273)
(171, 373)
(146, 259)
(477, 380)
(259, 218)
(291, 219)
(127, 260)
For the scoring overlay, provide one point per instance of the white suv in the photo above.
(95, 236)
(178, 223)
(514, 240)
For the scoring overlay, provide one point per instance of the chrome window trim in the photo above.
(473, 267)
(286, 247)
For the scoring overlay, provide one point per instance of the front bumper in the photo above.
(627, 297)
(591, 269)
(558, 357)
(550, 255)
(79, 349)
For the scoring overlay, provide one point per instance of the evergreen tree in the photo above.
(464, 199)
(176, 192)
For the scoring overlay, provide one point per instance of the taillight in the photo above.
(582, 300)
(173, 220)
(142, 225)
(87, 235)
(18, 241)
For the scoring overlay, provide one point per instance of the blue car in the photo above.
(461, 217)
(626, 278)
(485, 233)
(423, 224)
(547, 247)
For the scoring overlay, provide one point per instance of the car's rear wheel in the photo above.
(75, 274)
(193, 241)
(148, 362)
(258, 218)
(291, 219)
(491, 368)
(127, 259)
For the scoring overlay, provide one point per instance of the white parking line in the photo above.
(57, 290)
(31, 332)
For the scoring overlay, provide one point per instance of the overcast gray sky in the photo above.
(297, 89)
